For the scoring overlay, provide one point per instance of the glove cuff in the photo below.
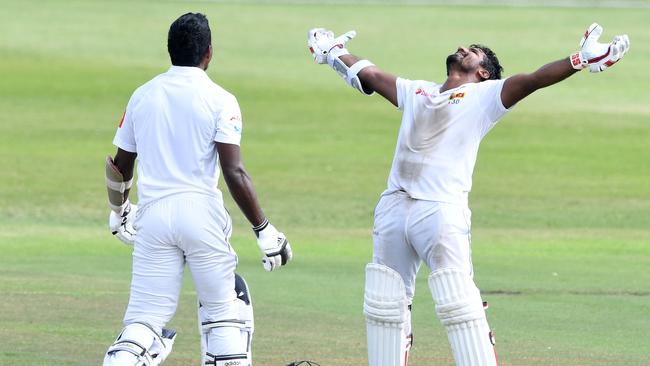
(260, 227)
(125, 209)
(336, 52)
(578, 61)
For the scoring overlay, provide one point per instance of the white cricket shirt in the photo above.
(173, 123)
(439, 137)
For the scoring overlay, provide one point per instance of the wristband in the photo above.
(260, 227)
(577, 61)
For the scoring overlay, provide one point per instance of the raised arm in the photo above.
(519, 86)
(593, 55)
(360, 74)
(372, 78)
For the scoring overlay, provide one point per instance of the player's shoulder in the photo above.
(415, 85)
(216, 92)
(489, 84)
(140, 92)
(417, 82)
(487, 88)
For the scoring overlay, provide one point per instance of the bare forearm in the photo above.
(517, 87)
(553, 73)
(242, 191)
(372, 77)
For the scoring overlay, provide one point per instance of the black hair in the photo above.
(490, 62)
(189, 39)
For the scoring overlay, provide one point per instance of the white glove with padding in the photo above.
(321, 43)
(122, 225)
(599, 56)
(274, 245)
(328, 50)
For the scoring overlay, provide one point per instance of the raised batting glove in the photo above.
(274, 245)
(327, 49)
(599, 56)
(322, 43)
(122, 225)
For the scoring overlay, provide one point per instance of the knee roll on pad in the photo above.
(457, 298)
(386, 312)
(244, 323)
(139, 345)
(460, 310)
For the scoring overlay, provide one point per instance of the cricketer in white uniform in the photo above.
(423, 215)
(180, 126)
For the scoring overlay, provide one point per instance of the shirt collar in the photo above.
(186, 70)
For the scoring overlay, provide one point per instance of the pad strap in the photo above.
(232, 323)
(239, 359)
(131, 347)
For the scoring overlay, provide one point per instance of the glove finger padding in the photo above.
(316, 38)
(344, 38)
(598, 56)
(591, 36)
(267, 263)
(271, 261)
(274, 246)
(616, 50)
(121, 226)
(321, 41)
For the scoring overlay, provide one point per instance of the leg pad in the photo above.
(460, 309)
(386, 312)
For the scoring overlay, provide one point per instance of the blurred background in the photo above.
(561, 197)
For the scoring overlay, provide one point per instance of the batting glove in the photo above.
(599, 56)
(322, 44)
(274, 245)
(122, 225)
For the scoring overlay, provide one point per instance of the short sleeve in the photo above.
(125, 136)
(403, 87)
(490, 100)
(490, 94)
(229, 123)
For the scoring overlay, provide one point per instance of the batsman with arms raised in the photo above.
(423, 215)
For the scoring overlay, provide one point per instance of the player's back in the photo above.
(174, 119)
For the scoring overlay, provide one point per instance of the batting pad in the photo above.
(385, 309)
(139, 345)
(245, 323)
(460, 309)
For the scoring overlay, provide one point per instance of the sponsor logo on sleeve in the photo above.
(122, 120)
(235, 123)
(422, 92)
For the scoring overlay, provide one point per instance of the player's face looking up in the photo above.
(475, 59)
(467, 60)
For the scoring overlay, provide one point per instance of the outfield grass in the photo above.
(561, 202)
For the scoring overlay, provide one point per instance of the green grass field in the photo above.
(561, 199)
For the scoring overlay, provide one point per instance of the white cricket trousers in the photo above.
(187, 227)
(408, 231)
